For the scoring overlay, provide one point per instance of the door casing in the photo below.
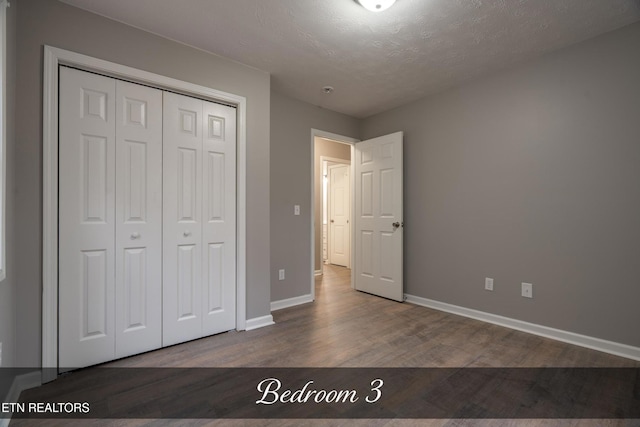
(53, 57)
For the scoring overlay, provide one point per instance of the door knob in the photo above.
(395, 225)
(332, 221)
(135, 236)
(186, 233)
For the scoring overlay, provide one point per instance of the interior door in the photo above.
(219, 219)
(138, 219)
(199, 205)
(339, 200)
(379, 217)
(110, 219)
(182, 222)
(86, 219)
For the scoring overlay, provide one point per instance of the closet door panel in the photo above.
(182, 222)
(138, 219)
(86, 219)
(219, 218)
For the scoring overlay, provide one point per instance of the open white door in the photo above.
(378, 216)
(339, 200)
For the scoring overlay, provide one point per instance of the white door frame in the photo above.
(344, 140)
(53, 57)
(336, 163)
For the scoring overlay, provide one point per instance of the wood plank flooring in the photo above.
(346, 328)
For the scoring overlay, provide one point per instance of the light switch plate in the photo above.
(488, 283)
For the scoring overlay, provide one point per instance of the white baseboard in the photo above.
(317, 273)
(21, 383)
(605, 346)
(259, 322)
(290, 302)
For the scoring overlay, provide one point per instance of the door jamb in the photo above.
(344, 140)
(53, 57)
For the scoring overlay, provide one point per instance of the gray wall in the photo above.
(532, 175)
(50, 22)
(328, 148)
(291, 124)
(8, 285)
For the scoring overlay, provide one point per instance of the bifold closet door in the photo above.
(138, 219)
(110, 154)
(199, 281)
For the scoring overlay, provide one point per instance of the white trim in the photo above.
(345, 140)
(335, 159)
(317, 273)
(3, 137)
(605, 346)
(53, 57)
(291, 302)
(259, 322)
(21, 383)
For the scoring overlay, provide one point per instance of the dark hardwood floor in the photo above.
(346, 328)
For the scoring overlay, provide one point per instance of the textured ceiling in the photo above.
(375, 61)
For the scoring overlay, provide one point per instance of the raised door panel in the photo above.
(187, 186)
(366, 237)
(86, 219)
(219, 213)
(138, 218)
(187, 285)
(182, 219)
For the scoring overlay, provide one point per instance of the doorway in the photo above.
(376, 218)
(330, 152)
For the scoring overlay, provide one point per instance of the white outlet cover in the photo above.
(281, 274)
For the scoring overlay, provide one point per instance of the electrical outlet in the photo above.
(488, 283)
(527, 290)
(281, 274)
(296, 209)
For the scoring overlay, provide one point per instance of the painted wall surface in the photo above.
(327, 148)
(530, 175)
(8, 285)
(291, 124)
(49, 22)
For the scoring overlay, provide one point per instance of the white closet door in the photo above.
(87, 219)
(182, 222)
(219, 214)
(199, 206)
(138, 219)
